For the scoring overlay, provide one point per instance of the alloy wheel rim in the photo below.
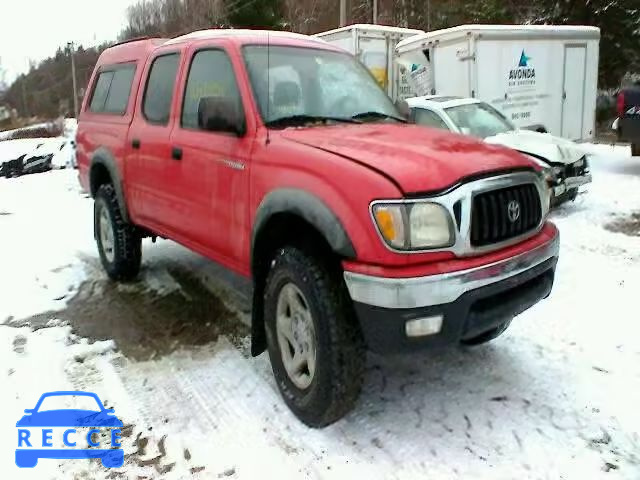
(106, 235)
(296, 336)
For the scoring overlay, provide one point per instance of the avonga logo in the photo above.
(523, 71)
(69, 433)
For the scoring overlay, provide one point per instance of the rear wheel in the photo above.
(315, 345)
(119, 244)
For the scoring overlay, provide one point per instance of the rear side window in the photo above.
(119, 91)
(101, 91)
(159, 90)
(112, 90)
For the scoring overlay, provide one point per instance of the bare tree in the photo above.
(302, 16)
(3, 78)
(171, 17)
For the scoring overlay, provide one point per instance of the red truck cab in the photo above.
(279, 157)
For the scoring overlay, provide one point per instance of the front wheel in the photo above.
(314, 341)
(635, 149)
(119, 244)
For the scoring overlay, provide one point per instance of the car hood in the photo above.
(543, 145)
(418, 159)
(69, 418)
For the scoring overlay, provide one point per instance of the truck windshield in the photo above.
(302, 85)
(479, 119)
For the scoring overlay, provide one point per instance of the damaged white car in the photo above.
(565, 163)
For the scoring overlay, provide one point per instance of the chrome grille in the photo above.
(504, 213)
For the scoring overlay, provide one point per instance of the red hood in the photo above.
(417, 158)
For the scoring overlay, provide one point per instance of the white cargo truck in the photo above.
(374, 46)
(537, 75)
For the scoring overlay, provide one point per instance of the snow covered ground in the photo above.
(557, 396)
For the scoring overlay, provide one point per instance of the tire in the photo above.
(120, 248)
(487, 336)
(635, 149)
(339, 357)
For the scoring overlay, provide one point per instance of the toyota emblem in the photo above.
(513, 211)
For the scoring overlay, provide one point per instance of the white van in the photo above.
(544, 76)
(374, 46)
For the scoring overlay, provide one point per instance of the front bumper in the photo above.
(471, 302)
(575, 182)
(568, 190)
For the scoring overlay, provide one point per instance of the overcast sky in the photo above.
(34, 29)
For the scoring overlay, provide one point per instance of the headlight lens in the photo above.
(429, 226)
(414, 225)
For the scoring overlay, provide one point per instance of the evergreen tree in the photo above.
(266, 14)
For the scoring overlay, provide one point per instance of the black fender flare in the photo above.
(103, 157)
(315, 212)
(312, 210)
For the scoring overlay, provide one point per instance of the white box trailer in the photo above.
(536, 74)
(374, 46)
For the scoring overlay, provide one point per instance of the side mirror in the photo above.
(404, 109)
(29, 410)
(220, 114)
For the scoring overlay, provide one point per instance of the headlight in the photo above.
(547, 172)
(414, 225)
(550, 181)
(548, 175)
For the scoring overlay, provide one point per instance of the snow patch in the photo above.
(42, 242)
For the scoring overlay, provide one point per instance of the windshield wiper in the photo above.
(298, 120)
(377, 115)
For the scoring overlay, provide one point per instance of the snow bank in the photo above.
(61, 148)
(12, 149)
(8, 133)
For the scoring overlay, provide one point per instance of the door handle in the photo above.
(176, 153)
(135, 143)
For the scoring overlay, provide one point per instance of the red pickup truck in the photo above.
(278, 156)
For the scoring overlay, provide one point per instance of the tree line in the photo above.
(46, 89)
